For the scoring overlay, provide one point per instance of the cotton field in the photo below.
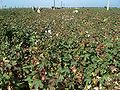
(60, 49)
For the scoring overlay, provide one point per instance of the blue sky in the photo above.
(67, 3)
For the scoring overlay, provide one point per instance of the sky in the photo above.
(67, 3)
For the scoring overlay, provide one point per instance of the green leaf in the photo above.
(61, 78)
(6, 76)
(38, 83)
(66, 57)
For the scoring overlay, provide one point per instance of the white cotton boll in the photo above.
(96, 88)
(57, 34)
(35, 32)
(37, 63)
(77, 41)
(35, 43)
(100, 87)
(86, 31)
(38, 11)
(5, 61)
(98, 77)
(88, 35)
(103, 28)
(45, 31)
(116, 83)
(53, 20)
(69, 76)
(105, 37)
(49, 31)
(117, 38)
(75, 11)
(96, 42)
(88, 87)
(105, 19)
